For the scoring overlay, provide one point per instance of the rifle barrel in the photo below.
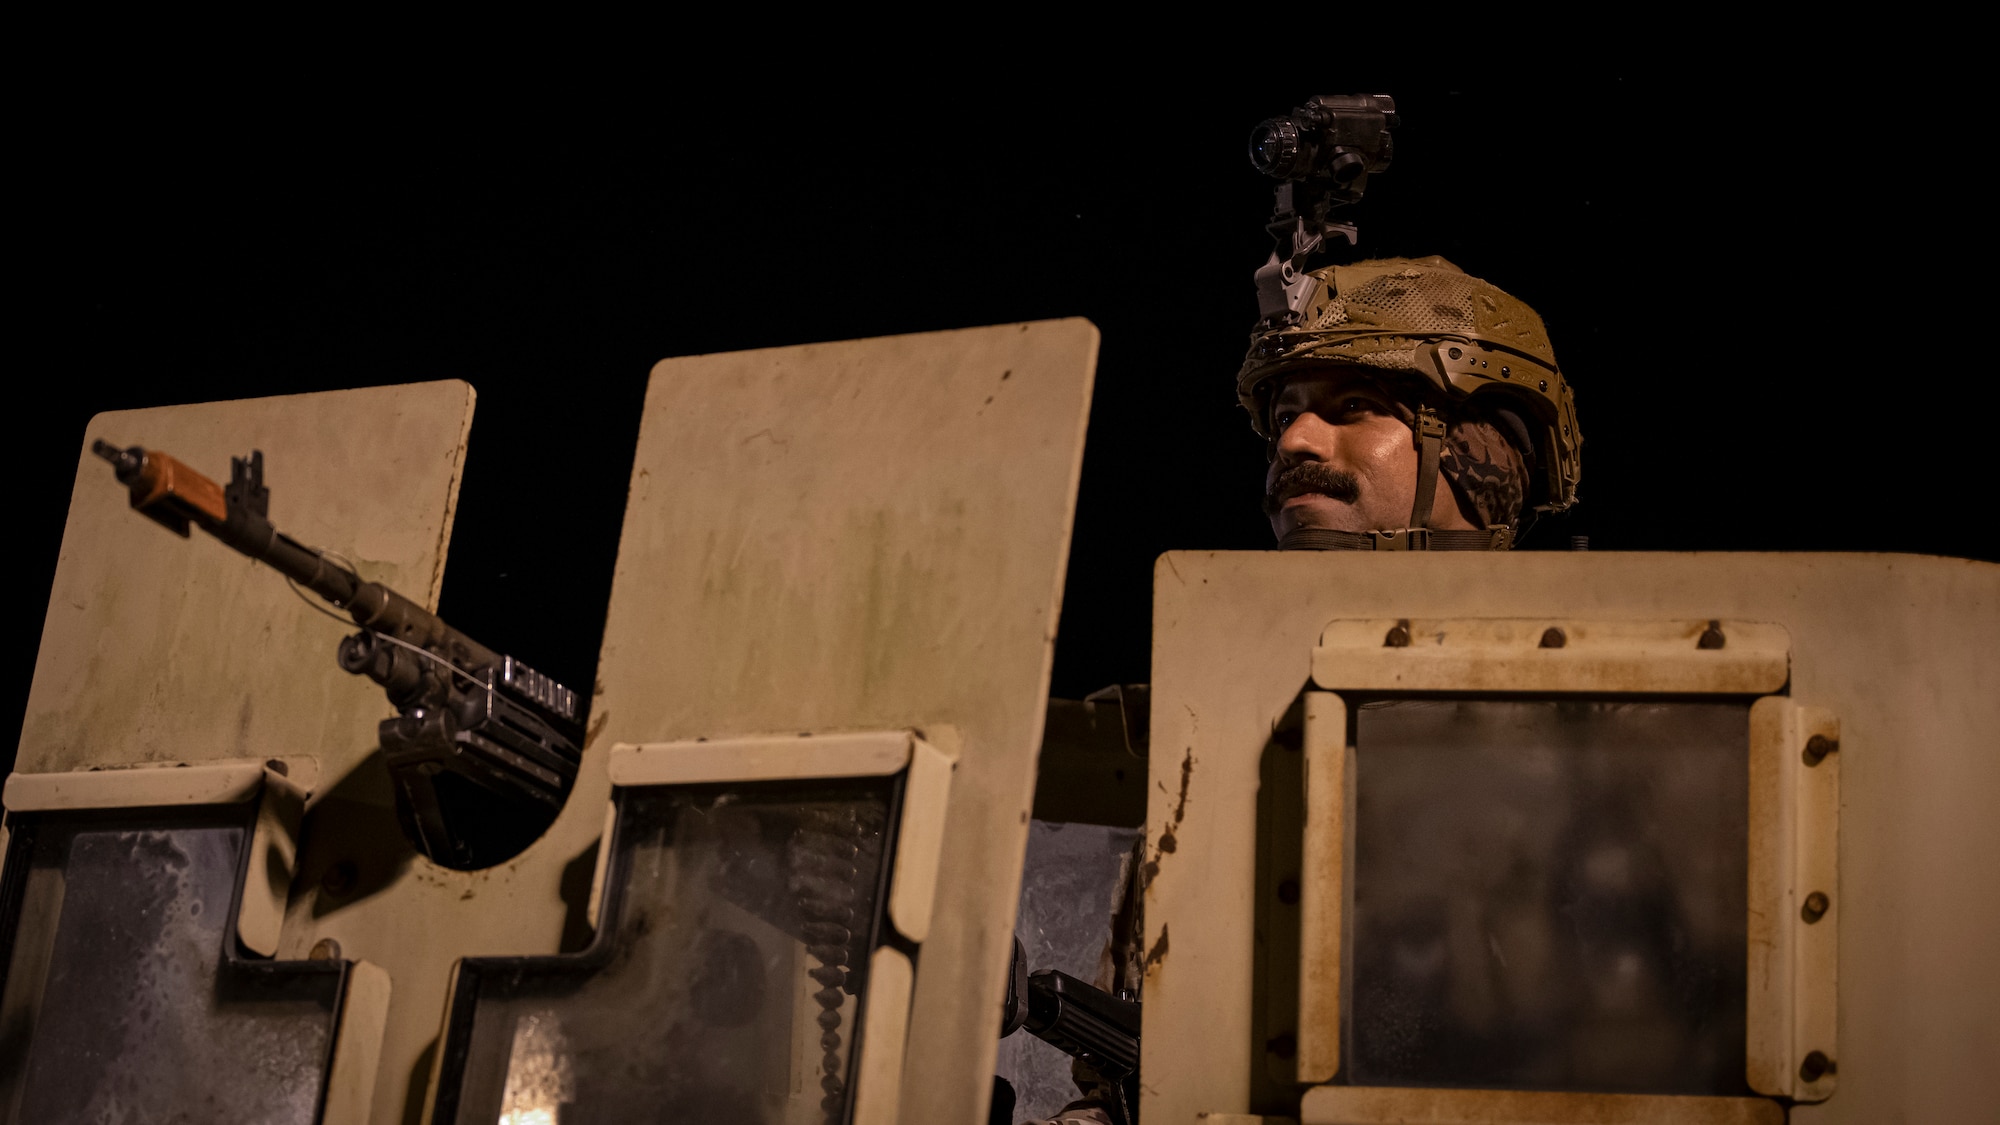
(169, 492)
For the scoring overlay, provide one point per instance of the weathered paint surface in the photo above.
(1361, 1105)
(1773, 897)
(1608, 656)
(1900, 647)
(158, 648)
(362, 885)
(867, 535)
(1322, 874)
(1815, 863)
(1794, 839)
(167, 783)
(863, 535)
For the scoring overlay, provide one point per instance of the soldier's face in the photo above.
(1344, 460)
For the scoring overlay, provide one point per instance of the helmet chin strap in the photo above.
(1405, 539)
(1428, 435)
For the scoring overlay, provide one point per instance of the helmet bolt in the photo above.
(1455, 353)
(1506, 374)
(1544, 384)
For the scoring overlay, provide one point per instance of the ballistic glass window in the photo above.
(1549, 895)
(125, 997)
(727, 979)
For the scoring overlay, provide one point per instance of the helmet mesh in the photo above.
(1377, 314)
(1421, 302)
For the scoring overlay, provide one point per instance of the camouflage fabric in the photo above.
(1488, 476)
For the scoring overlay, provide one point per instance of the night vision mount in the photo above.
(1322, 154)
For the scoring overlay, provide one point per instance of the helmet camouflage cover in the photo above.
(1455, 336)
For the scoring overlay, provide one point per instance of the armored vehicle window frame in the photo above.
(908, 772)
(1792, 801)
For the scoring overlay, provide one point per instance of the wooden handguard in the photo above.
(172, 494)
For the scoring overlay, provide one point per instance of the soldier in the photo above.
(1411, 407)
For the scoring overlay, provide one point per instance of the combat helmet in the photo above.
(1457, 337)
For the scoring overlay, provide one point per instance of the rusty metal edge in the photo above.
(1549, 670)
(203, 783)
(1322, 886)
(357, 1054)
(858, 754)
(1771, 898)
(878, 1076)
(920, 838)
(1815, 945)
(1374, 1105)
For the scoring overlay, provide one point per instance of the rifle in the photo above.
(1079, 1019)
(483, 748)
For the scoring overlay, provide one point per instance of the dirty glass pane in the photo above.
(1550, 895)
(119, 1005)
(1075, 915)
(729, 985)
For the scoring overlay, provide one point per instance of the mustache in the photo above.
(1311, 476)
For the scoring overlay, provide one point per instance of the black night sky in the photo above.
(1761, 322)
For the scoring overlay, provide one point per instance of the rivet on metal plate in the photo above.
(1817, 748)
(1814, 909)
(1554, 637)
(1815, 1066)
(1712, 637)
(1398, 635)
